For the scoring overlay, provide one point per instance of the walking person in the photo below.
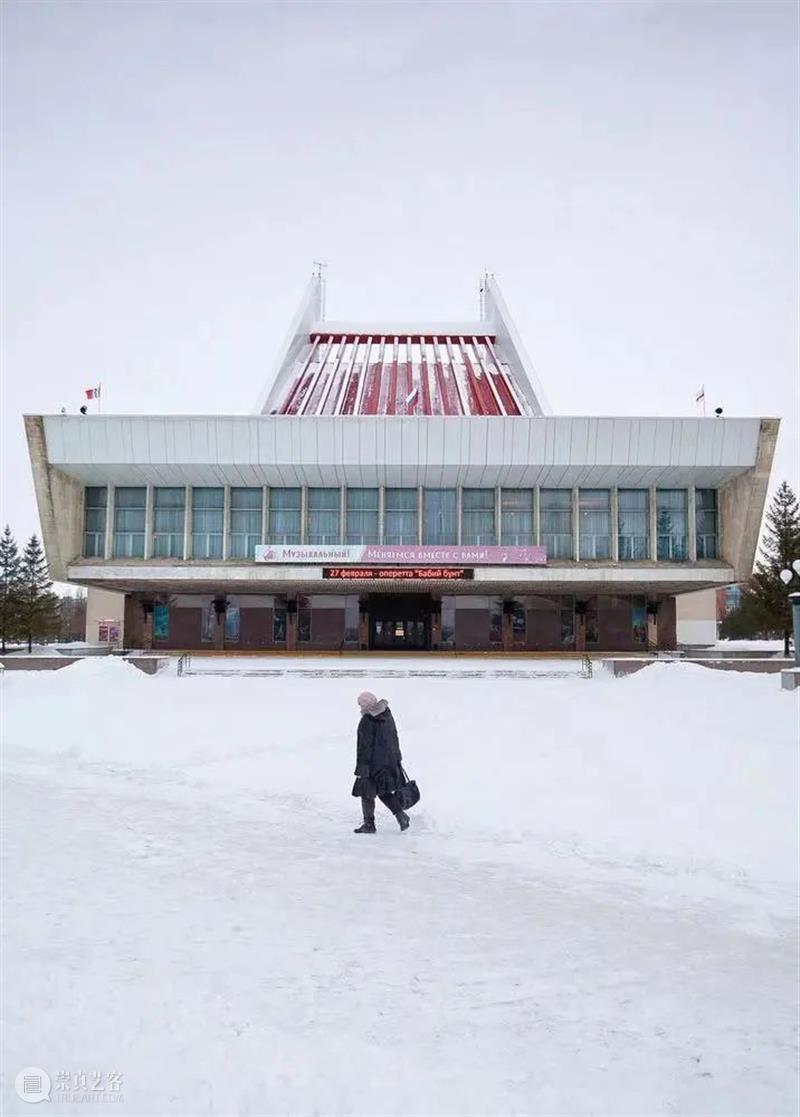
(379, 772)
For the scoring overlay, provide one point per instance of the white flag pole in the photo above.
(99, 397)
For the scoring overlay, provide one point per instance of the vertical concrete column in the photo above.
(147, 640)
(615, 524)
(264, 513)
(303, 513)
(576, 526)
(498, 515)
(507, 630)
(652, 624)
(187, 523)
(580, 631)
(381, 513)
(108, 549)
(459, 491)
(420, 513)
(219, 631)
(436, 624)
(537, 516)
(226, 522)
(363, 625)
(653, 524)
(342, 513)
(148, 522)
(691, 512)
(291, 626)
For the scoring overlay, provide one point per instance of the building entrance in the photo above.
(400, 623)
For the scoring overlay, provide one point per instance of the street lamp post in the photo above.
(787, 577)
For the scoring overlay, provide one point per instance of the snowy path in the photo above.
(232, 948)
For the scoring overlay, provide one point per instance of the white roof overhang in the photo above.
(520, 451)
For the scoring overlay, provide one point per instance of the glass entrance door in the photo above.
(400, 623)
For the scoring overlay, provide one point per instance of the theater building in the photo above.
(400, 486)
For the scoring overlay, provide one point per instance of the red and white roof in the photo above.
(439, 368)
(351, 374)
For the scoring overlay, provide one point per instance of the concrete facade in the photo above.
(697, 618)
(103, 605)
(501, 447)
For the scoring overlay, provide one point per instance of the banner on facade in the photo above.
(372, 554)
(397, 573)
(160, 622)
(108, 632)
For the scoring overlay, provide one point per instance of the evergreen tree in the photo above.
(9, 588)
(38, 604)
(765, 609)
(72, 617)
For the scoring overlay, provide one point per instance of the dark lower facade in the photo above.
(407, 622)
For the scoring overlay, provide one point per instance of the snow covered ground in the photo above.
(593, 912)
(775, 646)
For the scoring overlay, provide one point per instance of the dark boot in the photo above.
(368, 810)
(392, 803)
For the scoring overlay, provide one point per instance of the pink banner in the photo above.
(460, 556)
(412, 555)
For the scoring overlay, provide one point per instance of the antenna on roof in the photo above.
(319, 273)
(481, 296)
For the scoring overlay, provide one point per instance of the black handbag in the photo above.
(408, 794)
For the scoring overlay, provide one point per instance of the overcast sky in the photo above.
(171, 171)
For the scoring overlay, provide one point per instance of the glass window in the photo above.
(634, 524)
(129, 515)
(401, 514)
(516, 517)
(160, 621)
(232, 624)
(594, 518)
(477, 516)
(733, 598)
(284, 516)
(555, 508)
(671, 524)
(440, 519)
(323, 516)
(208, 623)
(208, 515)
(168, 515)
(706, 523)
(95, 501)
(245, 522)
(362, 516)
(639, 620)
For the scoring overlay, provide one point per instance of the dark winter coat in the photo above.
(378, 756)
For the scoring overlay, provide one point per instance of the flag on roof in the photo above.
(93, 393)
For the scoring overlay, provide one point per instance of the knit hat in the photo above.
(367, 701)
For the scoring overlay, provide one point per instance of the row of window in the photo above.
(402, 509)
